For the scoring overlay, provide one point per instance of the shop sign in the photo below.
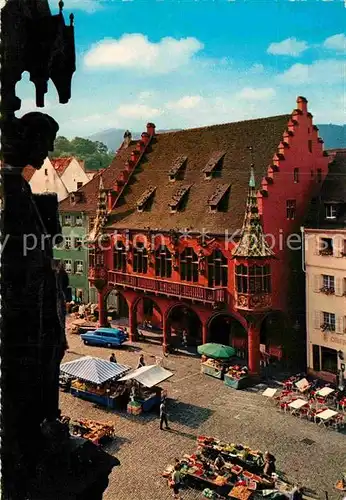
(337, 340)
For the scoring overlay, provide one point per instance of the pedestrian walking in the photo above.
(163, 415)
(141, 361)
(113, 359)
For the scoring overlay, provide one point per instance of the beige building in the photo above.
(325, 264)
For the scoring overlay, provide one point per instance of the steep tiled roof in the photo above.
(89, 192)
(28, 172)
(199, 145)
(61, 164)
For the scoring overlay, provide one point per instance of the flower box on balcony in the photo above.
(326, 327)
(327, 290)
(327, 252)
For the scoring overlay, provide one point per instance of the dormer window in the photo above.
(179, 198)
(330, 211)
(79, 220)
(67, 220)
(218, 201)
(296, 175)
(214, 165)
(146, 197)
(177, 169)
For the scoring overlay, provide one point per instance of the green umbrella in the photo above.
(216, 351)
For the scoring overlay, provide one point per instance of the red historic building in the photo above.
(181, 217)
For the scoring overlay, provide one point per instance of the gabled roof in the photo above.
(28, 172)
(90, 190)
(61, 164)
(199, 145)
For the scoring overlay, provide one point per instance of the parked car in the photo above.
(109, 337)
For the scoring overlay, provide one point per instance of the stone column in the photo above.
(204, 332)
(132, 323)
(165, 333)
(102, 309)
(254, 348)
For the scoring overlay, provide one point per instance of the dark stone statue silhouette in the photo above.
(39, 458)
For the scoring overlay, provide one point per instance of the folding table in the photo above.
(325, 391)
(325, 416)
(269, 393)
(302, 385)
(297, 405)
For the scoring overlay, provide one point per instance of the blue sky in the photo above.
(194, 63)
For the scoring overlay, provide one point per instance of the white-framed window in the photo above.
(330, 211)
(79, 220)
(78, 242)
(329, 322)
(67, 220)
(68, 242)
(79, 266)
(68, 265)
(328, 281)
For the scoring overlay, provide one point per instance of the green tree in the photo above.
(95, 154)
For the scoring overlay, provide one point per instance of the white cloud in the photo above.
(146, 94)
(288, 47)
(251, 94)
(328, 71)
(138, 111)
(336, 42)
(186, 102)
(135, 51)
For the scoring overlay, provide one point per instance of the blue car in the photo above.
(109, 337)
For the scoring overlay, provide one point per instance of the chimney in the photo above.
(127, 139)
(302, 104)
(111, 197)
(150, 129)
(145, 137)
(134, 156)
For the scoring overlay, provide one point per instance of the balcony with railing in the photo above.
(253, 301)
(168, 288)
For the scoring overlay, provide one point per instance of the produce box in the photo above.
(240, 383)
(212, 372)
(134, 409)
(240, 492)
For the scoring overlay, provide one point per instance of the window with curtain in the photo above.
(140, 259)
(163, 262)
(259, 279)
(119, 257)
(217, 269)
(189, 265)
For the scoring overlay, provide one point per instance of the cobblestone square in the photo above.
(202, 405)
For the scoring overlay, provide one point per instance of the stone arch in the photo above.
(224, 328)
(179, 317)
(146, 308)
(274, 333)
(116, 304)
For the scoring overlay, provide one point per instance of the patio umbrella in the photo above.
(216, 351)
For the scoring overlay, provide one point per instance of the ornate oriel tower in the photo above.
(253, 274)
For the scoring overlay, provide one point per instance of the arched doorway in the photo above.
(181, 318)
(148, 319)
(273, 333)
(116, 307)
(224, 329)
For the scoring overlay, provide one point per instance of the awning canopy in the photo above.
(149, 376)
(94, 370)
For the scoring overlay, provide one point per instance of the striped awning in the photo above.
(94, 370)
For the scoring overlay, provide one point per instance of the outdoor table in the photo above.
(325, 415)
(302, 385)
(269, 393)
(297, 405)
(325, 391)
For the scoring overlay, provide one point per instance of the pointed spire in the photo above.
(252, 242)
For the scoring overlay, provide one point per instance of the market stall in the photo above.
(235, 478)
(237, 377)
(97, 380)
(96, 432)
(215, 359)
(146, 393)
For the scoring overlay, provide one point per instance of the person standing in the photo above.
(176, 481)
(112, 358)
(141, 361)
(163, 415)
(269, 464)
